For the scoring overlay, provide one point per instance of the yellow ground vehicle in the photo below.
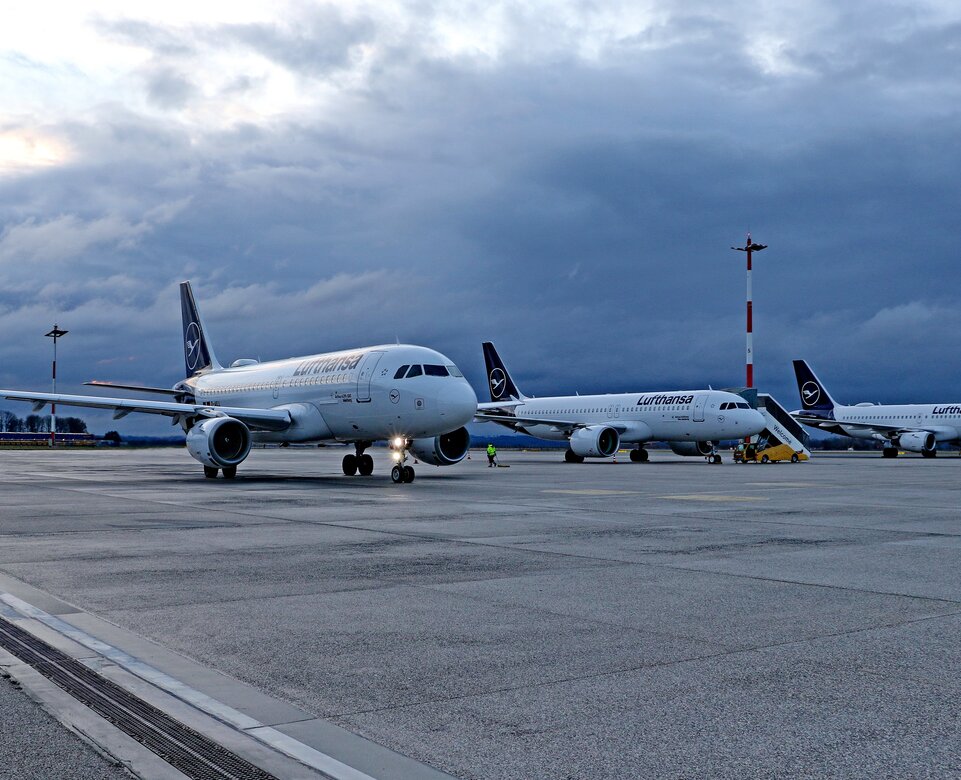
(762, 453)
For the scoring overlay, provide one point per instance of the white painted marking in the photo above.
(222, 712)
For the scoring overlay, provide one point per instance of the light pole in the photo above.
(750, 247)
(55, 334)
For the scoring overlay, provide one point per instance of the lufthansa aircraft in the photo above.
(912, 427)
(594, 426)
(413, 397)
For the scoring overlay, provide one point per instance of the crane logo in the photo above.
(497, 381)
(192, 345)
(810, 393)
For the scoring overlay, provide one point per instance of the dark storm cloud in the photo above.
(578, 211)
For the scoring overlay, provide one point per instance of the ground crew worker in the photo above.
(491, 454)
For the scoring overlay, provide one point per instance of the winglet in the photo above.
(198, 354)
(502, 387)
(813, 393)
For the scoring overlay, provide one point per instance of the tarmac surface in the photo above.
(667, 620)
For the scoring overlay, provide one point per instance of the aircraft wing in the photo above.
(257, 419)
(137, 388)
(494, 406)
(512, 421)
(888, 431)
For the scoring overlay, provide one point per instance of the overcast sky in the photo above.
(563, 178)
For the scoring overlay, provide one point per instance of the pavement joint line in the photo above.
(224, 713)
(653, 665)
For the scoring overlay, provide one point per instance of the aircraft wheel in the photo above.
(929, 453)
(365, 465)
(715, 459)
(795, 458)
(230, 472)
(350, 465)
(210, 472)
(765, 459)
(570, 457)
(633, 456)
(890, 452)
(397, 474)
(408, 474)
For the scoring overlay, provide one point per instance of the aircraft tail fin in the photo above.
(502, 387)
(814, 394)
(198, 354)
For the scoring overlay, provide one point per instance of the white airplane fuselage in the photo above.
(677, 415)
(943, 420)
(350, 395)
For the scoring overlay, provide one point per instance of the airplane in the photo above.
(911, 427)
(413, 397)
(594, 426)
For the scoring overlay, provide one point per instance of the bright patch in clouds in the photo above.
(22, 151)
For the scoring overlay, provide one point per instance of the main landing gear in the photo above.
(571, 457)
(639, 455)
(210, 472)
(889, 452)
(360, 463)
(400, 472)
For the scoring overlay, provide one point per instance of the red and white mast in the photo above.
(748, 248)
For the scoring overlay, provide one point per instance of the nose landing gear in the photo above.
(400, 472)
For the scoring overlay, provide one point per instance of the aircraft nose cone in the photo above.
(756, 421)
(458, 403)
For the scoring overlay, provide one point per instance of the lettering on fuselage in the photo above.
(329, 365)
(947, 410)
(659, 400)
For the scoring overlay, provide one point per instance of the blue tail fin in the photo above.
(813, 393)
(198, 354)
(499, 381)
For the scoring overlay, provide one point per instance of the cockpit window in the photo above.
(741, 405)
(415, 370)
(430, 370)
(401, 371)
(454, 370)
(725, 406)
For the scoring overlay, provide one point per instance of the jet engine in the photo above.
(692, 448)
(443, 450)
(220, 442)
(922, 441)
(595, 441)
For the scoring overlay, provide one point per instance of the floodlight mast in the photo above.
(54, 334)
(749, 248)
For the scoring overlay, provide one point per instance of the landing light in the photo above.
(395, 455)
(397, 443)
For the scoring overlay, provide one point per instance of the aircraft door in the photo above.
(614, 411)
(700, 401)
(365, 374)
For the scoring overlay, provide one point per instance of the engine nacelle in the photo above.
(221, 442)
(922, 441)
(595, 441)
(692, 448)
(445, 450)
